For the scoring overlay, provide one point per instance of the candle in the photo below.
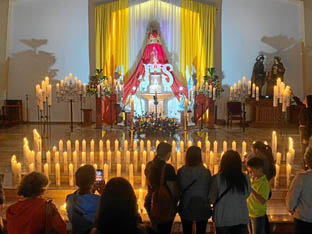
(75, 160)
(14, 168)
(108, 145)
(91, 158)
(116, 145)
(278, 158)
(189, 144)
(84, 90)
(244, 83)
(95, 166)
(61, 146)
(215, 169)
(235, 89)
(70, 78)
(276, 179)
(31, 167)
(131, 174)
(71, 174)
(56, 157)
(84, 158)
(65, 162)
(144, 157)
(148, 146)
(135, 145)
(109, 160)
(199, 144)
(253, 90)
(101, 159)
(215, 147)
(105, 172)
(288, 174)
(244, 148)
(57, 174)
(214, 94)
(224, 146)
(249, 87)
(233, 145)
(98, 91)
(275, 97)
(49, 95)
(151, 156)
(207, 146)
(101, 146)
(39, 162)
(211, 160)
(84, 146)
(118, 170)
(135, 160)
(125, 146)
(179, 159)
(288, 158)
(141, 146)
(118, 157)
(68, 143)
(127, 157)
(257, 93)
(77, 146)
(92, 145)
(231, 93)
(142, 175)
(46, 169)
(274, 143)
(48, 157)
(181, 146)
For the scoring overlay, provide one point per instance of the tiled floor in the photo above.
(11, 141)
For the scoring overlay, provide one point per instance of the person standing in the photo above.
(299, 198)
(153, 172)
(194, 181)
(229, 191)
(260, 189)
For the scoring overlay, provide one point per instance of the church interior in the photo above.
(103, 82)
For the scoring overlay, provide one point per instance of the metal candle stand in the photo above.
(70, 94)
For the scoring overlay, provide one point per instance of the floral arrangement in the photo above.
(99, 79)
(213, 79)
(148, 124)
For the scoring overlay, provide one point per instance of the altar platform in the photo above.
(12, 143)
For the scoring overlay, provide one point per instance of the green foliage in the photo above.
(213, 79)
(97, 79)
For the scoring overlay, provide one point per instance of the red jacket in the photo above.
(29, 217)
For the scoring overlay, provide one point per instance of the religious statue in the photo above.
(277, 71)
(258, 73)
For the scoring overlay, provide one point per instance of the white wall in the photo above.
(63, 28)
(253, 26)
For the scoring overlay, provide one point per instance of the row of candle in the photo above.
(236, 90)
(44, 93)
(68, 83)
(281, 94)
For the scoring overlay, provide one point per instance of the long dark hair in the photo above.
(118, 211)
(231, 171)
(193, 156)
(266, 151)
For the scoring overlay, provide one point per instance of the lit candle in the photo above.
(257, 93)
(84, 90)
(61, 146)
(144, 157)
(207, 146)
(274, 143)
(135, 145)
(127, 157)
(215, 169)
(224, 146)
(101, 144)
(77, 146)
(275, 97)
(288, 175)
(116, 145)
(214, 94)
(101, 159)
(75, 160)
(199, 144)
(189, 144)
(95, 166)
(288, 158)
(49, 90)
(71, 174)
(91, 158)
(131, 174)
(118, 170)
(39, 162)
(31, 167)
(142, 175)
(210, 91)
(125, 146)
(276, 179)
(98, 91)
(106, 172)
(84, 158)
(244, 83)
(278, 158)
(148, 146)
(141, 146)
(253, 90)
(181, 146)
(211, 160)
(57, 174)
(157, 143)
(92, 145)
(244, 148)
(215, 147)
(231, 93)
(109, 160)
(46, 170)
(108, 145)
(56, 157)
(135, 160)
(233, 145)
(48, 157)
(249, 87)
(84, 146)
(118, 158)
(65, 162)
(235, 89)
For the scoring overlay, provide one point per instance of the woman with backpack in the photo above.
(194, 180)
(162, 190)
(229, 191)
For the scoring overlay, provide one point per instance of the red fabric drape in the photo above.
(202, 99)
(106, 109)
(140, 70)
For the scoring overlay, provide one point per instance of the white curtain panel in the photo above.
(166, 14)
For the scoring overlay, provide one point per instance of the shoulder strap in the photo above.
(190, 185)
(222, 195)
(48, 211)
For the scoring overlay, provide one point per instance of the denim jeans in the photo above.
(256, 225)
(188, 225)
(301, 227)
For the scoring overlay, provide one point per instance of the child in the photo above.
(256, 202)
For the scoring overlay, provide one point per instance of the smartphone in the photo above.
(99, 176)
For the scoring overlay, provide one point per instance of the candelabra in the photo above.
(71, 93)
(156, 103)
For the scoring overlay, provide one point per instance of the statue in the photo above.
(258, 73)
(277, 71)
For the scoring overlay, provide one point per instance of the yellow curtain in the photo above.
(112, 36)
(197, 37)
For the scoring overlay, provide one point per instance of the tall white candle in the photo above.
(65, 162)
(101, 159)
(84, 158)
(48, 156)
(207, 145)
(61, 146)
(75, 160)
(39, 162)
(181, 146)
(91, 158)
(144, 157)
(143, 175)
(288, 174)
(116, 145)
(92, 145)
(141, 146)
(101, 148)
(125, 146)
(189, 144)
(118, 158)
(108, 145)
(224, 146)
(118, 170)
(135, 145)
(31, 167)
(46, 169)
(106, 172)
(233, 145)
(135, 160)
(71, 174)
(244, 83)
(109, 160)
(84, 146)
(57, 174)
(215, 147)
(278, 158)
(56, 157)
(276, 179)
(148, 146)
(131, 174)
(253, 90)
(199, 144)
(244, 147)
(257, 93)
(77, 146)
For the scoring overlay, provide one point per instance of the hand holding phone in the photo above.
(99, 176)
